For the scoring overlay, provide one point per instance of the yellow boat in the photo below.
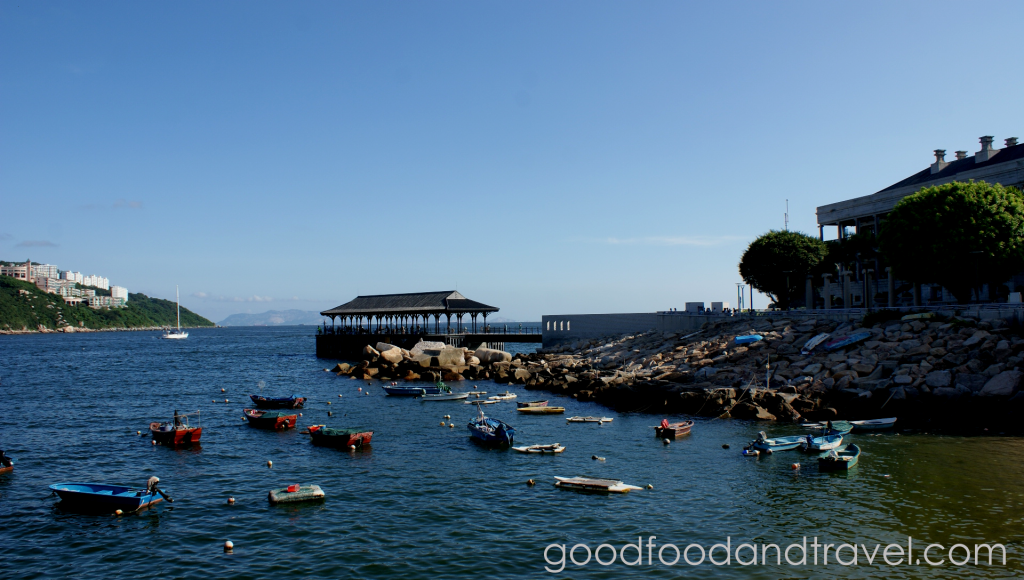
(541, 410)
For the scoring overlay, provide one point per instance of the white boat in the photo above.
(444, 397)
(874, 424)
(595, 485)
(814, 343)
(552, 448)
(178, 334)
(481, 402)
(589, 420)
(508, 396)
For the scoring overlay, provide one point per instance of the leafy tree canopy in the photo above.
(776, 255)
(957, 235)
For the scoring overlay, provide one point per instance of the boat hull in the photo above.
(281, 403)
(7, 469)
(779, 443)
(103, 496)
(541, 410)
(445, 397)
(259, 420)
(175, 437)
(532, 404)
(674, 430)
(492, 432)
(874, 425)
(847, 459)
(411, 391)
(826, 443)
(359, 438)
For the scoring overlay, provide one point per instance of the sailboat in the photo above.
(178, 333)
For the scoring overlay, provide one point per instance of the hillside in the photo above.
(274, 318)
(20, 311)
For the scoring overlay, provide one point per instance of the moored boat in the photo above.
(874, 424)
(445, 397)
(541, 410)
(403, 391)
(671, 430)
(589, 420)
(592, 484)
(532, 404)
(328, 437)
(102, 496)
(292, 402)
(6, 463)
(178, 432)
(831, 427)
(507, 396)
(837, 460)
(552, 448)
(773, 444)
(816, 444)
(295, 493)
(844, 341)
(491, 431)
(270, 419)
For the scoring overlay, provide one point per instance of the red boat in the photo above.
(323, 435)
(270, 419)
(178, 432)
(672, 430)
(532, 404)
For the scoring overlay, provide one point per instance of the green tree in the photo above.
(778, 261)
(957, 235)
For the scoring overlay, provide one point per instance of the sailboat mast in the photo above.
(177, 299)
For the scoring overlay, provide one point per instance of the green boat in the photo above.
(839, 460)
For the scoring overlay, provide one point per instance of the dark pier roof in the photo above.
(449, 301)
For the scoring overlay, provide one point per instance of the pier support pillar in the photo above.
(809, 293)
(891, 287)
(826, 290)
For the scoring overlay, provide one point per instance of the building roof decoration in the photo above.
(446, 302)
(952, 168)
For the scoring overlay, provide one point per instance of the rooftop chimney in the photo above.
(987, 152)
(940, 161)
(1011, 142)
(961, 155)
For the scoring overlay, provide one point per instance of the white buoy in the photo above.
(225, 400)
(352, 447)
(442, 423)
(367, 392)
(154, 442)
(138, 432)
(650, 486)
(223, 390)
(339, 395)
(270, 465)
(228, 546)
(451, 425)
(665, 441)
(231, 501)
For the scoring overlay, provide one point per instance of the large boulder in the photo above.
(370, 352)
(938, 379)
(973, 382)
(976, 338)
(1003, 384)
(342, 368)
(426, 345)
(392, 355)
(490, 355)
(751, 411)
(384, 347)
(451, 356)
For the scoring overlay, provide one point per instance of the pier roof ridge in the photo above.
(409, 303)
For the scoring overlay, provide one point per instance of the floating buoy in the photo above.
(451, 425)
(795, 466)
(665, 441)
(330, 414)
(228, 546)
(153, 442)
(138, 432)
(447, 416)
(118, 512)
(213, 400)
(223, 390)
(650, 486)
(231, 501)
(367, 392)
(725, 445)
(270, 465)
(442, 423)
(887, 476)
(300, 414)
(596, 458)
(352, 447)
(225, 400)
(530, 482)
(751, 453)
(339, 394)
(359, 389)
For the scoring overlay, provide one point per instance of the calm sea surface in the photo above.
(426, 502)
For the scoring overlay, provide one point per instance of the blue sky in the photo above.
(543, 157)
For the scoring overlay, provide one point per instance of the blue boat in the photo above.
(764, 443)
(491, 431)
(844, 341)
(101, 496)
(292, 402)
(831, 427)
(411, 391)
(816, 444)
(749, 338)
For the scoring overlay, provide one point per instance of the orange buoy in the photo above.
(795, 466)
(118, 512)
(530, 482)
(229, 546)
(270, 465)
(231, 501)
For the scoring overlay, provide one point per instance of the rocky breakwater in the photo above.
(427, 361)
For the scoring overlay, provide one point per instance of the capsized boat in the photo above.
(532, 404)
(491, 431)
(102, 496)
(552, 448)
(589, 420)
(508, 396)
(270, 419)
(874, 424)
(342, 438)
(842, 460)
(672, 430)
(592, 484)
(815, 444)
(178, 432)
(814, 343)
(845, 341)
(748, 339)
(292, 402)
(541, 410)
(773, 444)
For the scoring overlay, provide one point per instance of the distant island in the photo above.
(24, 307)
(274, 318)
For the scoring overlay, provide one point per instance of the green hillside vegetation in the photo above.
(20, 311)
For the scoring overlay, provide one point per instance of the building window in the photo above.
(547, 325)
(567, 322)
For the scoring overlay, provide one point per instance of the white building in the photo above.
(19, 271)
(44, 271)
(96, 282)
(73, 276)
(119, 292)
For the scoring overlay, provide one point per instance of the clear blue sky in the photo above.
(544, 157)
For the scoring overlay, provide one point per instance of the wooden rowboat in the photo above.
(102, 496)
(552, 448)
(838, 427)
(292, 402)
(177, 433)
(270, 419)
(594, 485)
(874, 424)
(839, 460)
(673, 430)
(532, 404)
(589, 420)
(445, 397)
(773, 444)
(816, 444)
(341, 438)
(541, 410)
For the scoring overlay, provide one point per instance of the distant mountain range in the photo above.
(274, 318)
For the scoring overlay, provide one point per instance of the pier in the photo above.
(405, 319)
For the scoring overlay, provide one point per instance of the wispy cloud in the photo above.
(118, 204)
(4, 237)
(674, 240)
(36, 244)
(200, 294)
(253, 298)
(128, 204)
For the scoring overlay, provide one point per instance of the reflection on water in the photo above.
(425, 500)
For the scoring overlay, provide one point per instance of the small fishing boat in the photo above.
(552, 448)
(6, 463)
(815, 444)
(814, 343)
(508, 396)
(845, 341)
(445, 397)
(295, 493)
(411, 391)
(764, 443)
(178, 432)
(594, 484)
(101, 496)
(874, 424)
(831, 427)
(839, 460)
(589, 420)
(491, 431)
(748, 339)
(481, 402)
(532, 404)
(541, 410)
(672, 430)
(292, 402)
(270, 419)
(477, 393)
(341, 438)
